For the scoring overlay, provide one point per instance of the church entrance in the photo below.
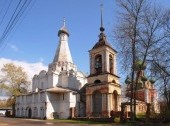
(29, 113)
(97, 103)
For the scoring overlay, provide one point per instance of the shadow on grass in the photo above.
(78, 121)
(89, 122)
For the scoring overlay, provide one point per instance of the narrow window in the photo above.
(98, 63)
(110, 64)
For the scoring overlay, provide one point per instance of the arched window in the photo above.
(29, 113)
(63, 37)
(110, 64)
(97, 81)
(98, 63)
(113, 81)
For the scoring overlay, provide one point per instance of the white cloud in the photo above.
(13, 47)
(30, 68)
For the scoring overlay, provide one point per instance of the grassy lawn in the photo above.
(105, 123)
(141, 115)
(77, 121)
(88, 122)
(100, 123)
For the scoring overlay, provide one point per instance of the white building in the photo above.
(54, 91)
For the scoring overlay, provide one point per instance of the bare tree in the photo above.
(127, 34)
(142, 35)
(161, 70)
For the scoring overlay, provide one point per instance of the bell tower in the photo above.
(103, 89)
(102, 55)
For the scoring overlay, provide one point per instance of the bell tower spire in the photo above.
(64, 22)
(105, 61)
(101, 27)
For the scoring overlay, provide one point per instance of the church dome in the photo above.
(63, 30)
(102, 42)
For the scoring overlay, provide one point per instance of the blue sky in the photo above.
(35, 39)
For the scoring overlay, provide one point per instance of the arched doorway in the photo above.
(97, 103)
(115, 101)
(29, 113)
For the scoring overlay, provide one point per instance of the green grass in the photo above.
(141, 115)
(77, 121)
(103, 123)
(117, 120)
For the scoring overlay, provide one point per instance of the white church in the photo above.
(54, 91)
